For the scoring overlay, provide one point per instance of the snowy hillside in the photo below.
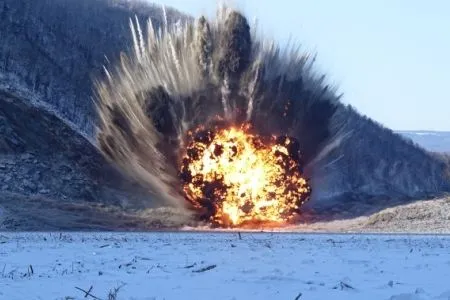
(438, 141)
(222, 266)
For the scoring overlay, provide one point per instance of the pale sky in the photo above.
(390, 59)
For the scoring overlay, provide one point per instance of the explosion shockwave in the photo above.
(158, 111)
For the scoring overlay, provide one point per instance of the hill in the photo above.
(50, 52)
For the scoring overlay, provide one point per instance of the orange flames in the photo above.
(238, 179)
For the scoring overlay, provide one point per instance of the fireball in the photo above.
(237, 178)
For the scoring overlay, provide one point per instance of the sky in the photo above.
(390, 59)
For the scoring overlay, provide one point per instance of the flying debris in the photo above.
(211, 117)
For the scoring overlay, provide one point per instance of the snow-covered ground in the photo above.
(217, 266)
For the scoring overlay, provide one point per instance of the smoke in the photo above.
(185, 75)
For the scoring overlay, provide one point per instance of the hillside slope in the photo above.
(49, 172)
(55, 48)
(372, 164)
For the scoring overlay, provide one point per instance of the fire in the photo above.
(237, 178)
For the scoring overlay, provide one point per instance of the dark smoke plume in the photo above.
(192, 74)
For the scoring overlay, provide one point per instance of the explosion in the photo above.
(238, 178)
(158, 108)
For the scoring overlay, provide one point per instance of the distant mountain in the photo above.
(436, 141)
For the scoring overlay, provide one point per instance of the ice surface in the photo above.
(222, 266)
